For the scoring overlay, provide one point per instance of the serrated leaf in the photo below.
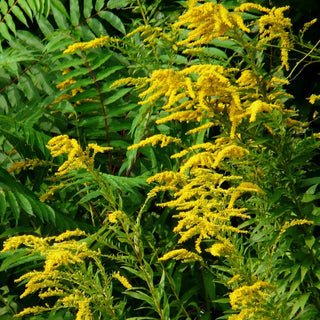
(60, 14)
(4, 31)
(20, 257)
(121, 109)
(299, 303)
(4, 108)
(112, 4)
(4, 7)
(107, 72)
(14, 96)
(19, 15)
(24, 203)
(215, 52)
(118, 95)
(3, 205)
(96, 121)
(114, 20)
(141, 296)
(58, 42)
(28, 88)
(13, 203)
(9, 21)
(74, 12)
(45, 26)
(140, 274)
(89, 196)
(69, 63)
(99, 60)
(97, 27)
(25, 7)
(33, 6)
(99, 5)
(87, 8)
(30, 39)
(42, 79)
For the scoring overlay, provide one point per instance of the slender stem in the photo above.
(136, 249)
(23, 72)
(6, 304)
(303, 58)
(142, 12)
(4, 16)
(102, 107)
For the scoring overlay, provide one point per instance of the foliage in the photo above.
(153, 163)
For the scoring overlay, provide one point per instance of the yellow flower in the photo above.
(29, 164)
(234, 279)
(77, 158)
(247, 79)
(273, 25)
(207, 22)
(313, 98)
(32, 310)
(165, 140)
(181, 254)
(218, 249)
(102, 41)
(124, 281)
(114, 216)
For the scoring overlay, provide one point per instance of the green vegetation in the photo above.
(158, 161)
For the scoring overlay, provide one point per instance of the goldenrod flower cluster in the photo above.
(165, 140)
(183, 255)
(215, 91)
(98, 42)
(28, 164)
(204, 94)
(313, 98)
(123, 280)
(273, 25)
(77, 158)
(209, 21)
(59, 252)
(252, 301)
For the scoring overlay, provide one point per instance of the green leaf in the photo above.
(121, 109)
(114, 20)
(3, 205)
(45, 26)
(42, 79)
(19, 14)
(99, 60)
(99, 5)
(107, 72)
(118, 94)
(10, 23)
(89, 196)
(299, 303)
(24, 203)
(137, 273)
(112, 4)
(60, 14)
(13, 205)
(30, 40)
(18, 258)
(74, 12)
(87, 8)
(4, 31)
(25, 7)
(141, 296)
(215, 52)
(4, 7)
(28, 87)
(97, 27)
